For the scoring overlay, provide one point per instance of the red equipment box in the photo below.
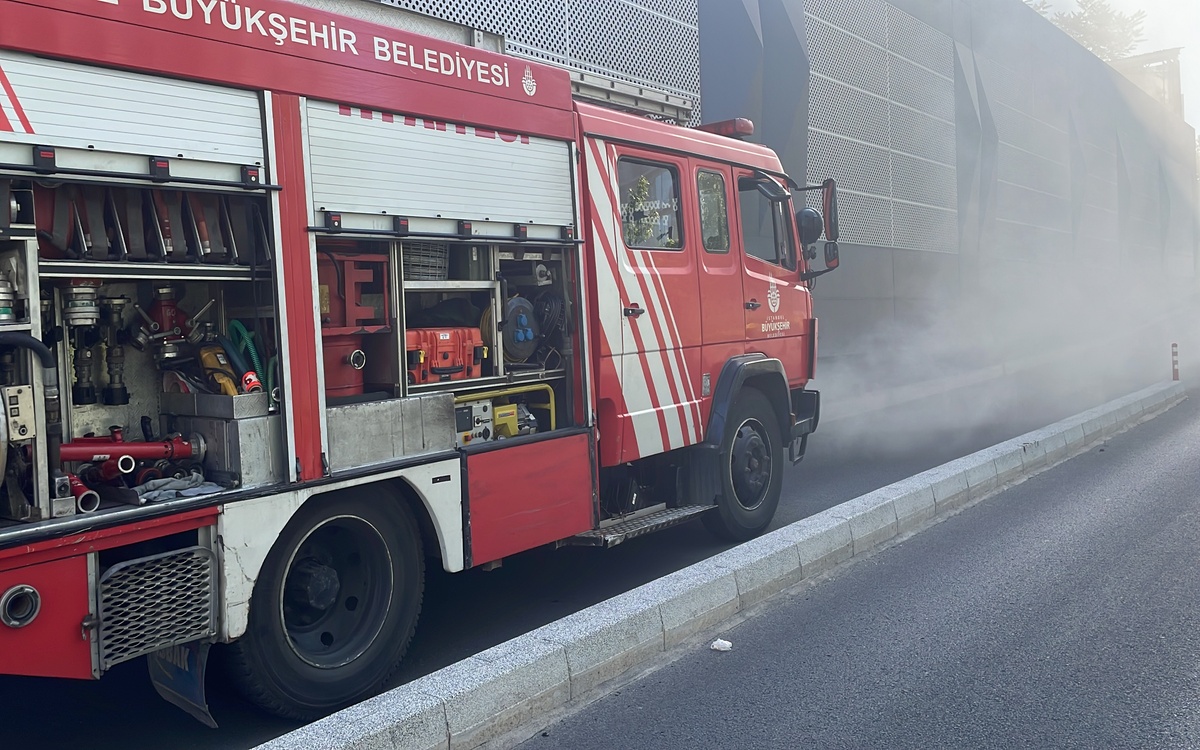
(442, 354)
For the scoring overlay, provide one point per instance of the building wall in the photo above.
(993, 172)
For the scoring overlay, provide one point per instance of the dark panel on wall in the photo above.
(732, 83)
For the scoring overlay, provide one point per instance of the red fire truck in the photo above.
(320, 303)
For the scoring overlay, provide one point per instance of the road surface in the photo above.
(1064, 612)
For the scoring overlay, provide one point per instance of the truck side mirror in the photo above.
(811, 223)
(829, 203)
(831, 255)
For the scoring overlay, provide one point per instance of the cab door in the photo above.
(647, 301)
(721, 269)
(776, 306)
(721, 265)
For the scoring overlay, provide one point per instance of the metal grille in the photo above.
(882, 115)
(425, 261)
(654, 43)
(155, 602)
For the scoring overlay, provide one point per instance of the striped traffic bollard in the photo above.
(1174, 361)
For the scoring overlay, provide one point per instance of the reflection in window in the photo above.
(766, 231)
(714, 216)
(649, 205)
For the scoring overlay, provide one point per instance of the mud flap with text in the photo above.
(177, 674)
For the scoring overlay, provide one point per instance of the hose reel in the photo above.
(520, 329)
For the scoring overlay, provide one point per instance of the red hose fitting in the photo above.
(100, 449)
(87, 500)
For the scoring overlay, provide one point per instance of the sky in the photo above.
(1169, 23)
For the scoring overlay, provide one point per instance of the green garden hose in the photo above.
(243, 341)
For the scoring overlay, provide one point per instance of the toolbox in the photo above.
(442, 354)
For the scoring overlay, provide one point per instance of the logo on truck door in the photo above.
(775, 325)
(773, 297)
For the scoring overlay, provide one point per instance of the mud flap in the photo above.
(797, 448)
(177, 674)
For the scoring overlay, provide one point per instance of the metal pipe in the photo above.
(98, 449)
(110, 470)
(86, 500)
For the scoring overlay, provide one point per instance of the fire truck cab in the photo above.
(293, 305)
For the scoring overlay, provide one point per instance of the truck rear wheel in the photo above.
(334, 608)
(751, 469)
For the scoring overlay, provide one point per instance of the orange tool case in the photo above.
(441, 354)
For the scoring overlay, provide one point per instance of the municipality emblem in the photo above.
(773, 298)
(528, 82)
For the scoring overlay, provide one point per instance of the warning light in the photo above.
(739, 127)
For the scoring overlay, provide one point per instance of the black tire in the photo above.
(315, 642)
(751, 469)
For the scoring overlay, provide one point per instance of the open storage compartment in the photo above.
(469, 340)
(158, 307)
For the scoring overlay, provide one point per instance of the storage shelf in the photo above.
(488, 383)
(449, 285)
(95, 269)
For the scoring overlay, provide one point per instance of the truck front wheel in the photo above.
(334, 608)
(751, 469)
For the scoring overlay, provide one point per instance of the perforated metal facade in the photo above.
(1033, 173)
(650, 42)
(881, 119)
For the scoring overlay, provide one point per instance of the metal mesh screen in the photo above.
(1033, 206)
(882, 122)
(155, 602)
(649, 42)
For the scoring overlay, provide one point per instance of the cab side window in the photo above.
(714, 211)
(649, 205)
(766, 230)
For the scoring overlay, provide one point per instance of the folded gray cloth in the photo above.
(170, 488)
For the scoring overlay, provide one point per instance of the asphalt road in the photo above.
(1064, 612)
(466, 613)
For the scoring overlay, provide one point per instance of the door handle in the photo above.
(753, 304)
(633, 312)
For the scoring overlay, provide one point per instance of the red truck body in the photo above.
(628, 333)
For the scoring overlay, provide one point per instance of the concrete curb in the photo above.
(486, 699)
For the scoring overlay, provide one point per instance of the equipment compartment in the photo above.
(149, 300)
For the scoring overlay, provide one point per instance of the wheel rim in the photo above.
(337, 592)
(750, 464)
